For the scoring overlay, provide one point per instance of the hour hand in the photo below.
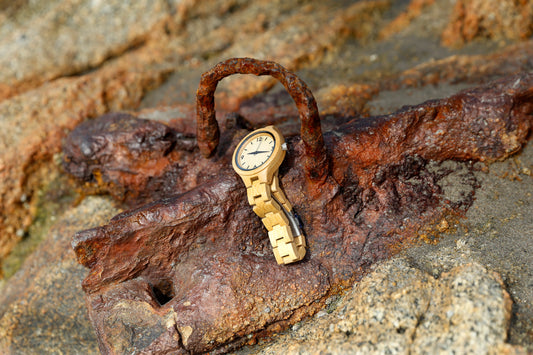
(259, 152)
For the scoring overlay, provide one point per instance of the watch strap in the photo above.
(271, 205)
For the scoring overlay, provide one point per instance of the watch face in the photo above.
(255, 151)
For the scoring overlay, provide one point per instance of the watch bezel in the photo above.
(247, 139)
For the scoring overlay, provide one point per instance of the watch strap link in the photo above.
(271, 205)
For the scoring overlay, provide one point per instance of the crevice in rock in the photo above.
(420, 319)
(180, 340)
(163, 292)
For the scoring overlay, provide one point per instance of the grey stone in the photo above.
(452, 296)
(42, 307)
(399, 309)
(47, 39)
(497, 233)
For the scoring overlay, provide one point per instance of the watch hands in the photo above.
(261, 141)
(258, 152)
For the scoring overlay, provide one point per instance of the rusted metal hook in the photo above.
(315, 160)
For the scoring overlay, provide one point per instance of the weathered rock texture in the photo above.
(42, 309)
(496, 233)
(413, 10)
(334, 47)
(49, 49)
(35, 122)
(46, 40)
(474, 19)
(192, 266)
(399, 309)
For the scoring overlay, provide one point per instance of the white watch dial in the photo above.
(255, 151)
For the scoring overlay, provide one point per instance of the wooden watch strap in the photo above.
(269, 203)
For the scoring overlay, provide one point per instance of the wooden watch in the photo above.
(257, 159)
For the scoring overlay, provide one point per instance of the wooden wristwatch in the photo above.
(257, 159)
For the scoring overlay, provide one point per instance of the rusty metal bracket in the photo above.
(208, 133)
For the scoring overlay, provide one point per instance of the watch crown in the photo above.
(284, 146)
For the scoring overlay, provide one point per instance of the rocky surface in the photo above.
(493, 19)
(399, 309)
(46, 40)
(397, 304)
(377, 190)
(178, 37)
(42, 309)
(35, 122)
(368, 57)
(496, 233)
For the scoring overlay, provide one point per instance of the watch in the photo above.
(257, 159)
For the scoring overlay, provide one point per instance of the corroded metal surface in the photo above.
(194, 271)
(208, 133)
(135, 160)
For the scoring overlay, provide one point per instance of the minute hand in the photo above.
(259, 152)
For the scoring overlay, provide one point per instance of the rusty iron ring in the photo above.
(207, 130)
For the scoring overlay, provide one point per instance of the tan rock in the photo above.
(398, 309)
(48, 39)
(42, 308)
(495, 19)
(34, 123)
(415, 9)
(293, 35)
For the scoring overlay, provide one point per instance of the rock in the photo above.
(38, 109)
(466, 69)
(35, 122)
(42, 308)
(351, 221)
(334, 47)
(291, 34)
(402, 310)
(487, 237)
(414, 9)
(46, 40)
(497, 233)
(496, 19)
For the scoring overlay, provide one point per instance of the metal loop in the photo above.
(208, 134)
